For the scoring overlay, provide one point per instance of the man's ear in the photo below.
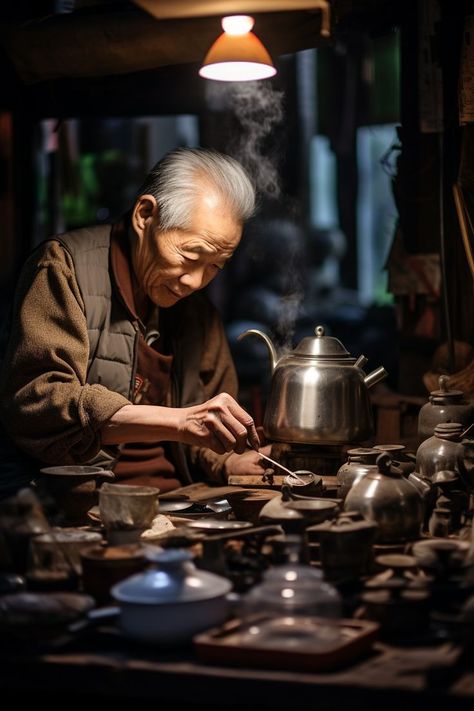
(145, 210)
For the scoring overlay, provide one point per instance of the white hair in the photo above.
(185, 173)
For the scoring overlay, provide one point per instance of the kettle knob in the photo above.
(319, 331)
(384, 462)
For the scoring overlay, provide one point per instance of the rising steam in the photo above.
(258, 108)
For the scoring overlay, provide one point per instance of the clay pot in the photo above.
(247, 505)
(103, 567)
(73, 489)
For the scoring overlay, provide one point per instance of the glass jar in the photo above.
(292, 607)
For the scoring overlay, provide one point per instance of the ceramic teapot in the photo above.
(319, 394)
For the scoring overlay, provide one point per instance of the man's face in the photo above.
(173, 264)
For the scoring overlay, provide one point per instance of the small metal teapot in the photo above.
(319, 394)
(390, 500)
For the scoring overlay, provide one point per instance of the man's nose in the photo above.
(193, 279)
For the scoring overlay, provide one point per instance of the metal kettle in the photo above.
(319, 394)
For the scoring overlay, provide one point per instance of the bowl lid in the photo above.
(322, 346)
(175, 579)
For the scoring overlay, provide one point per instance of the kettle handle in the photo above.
(266, 339)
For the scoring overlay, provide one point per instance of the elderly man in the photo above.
(113, 357)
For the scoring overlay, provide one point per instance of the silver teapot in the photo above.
(390, 500)
(319, 394)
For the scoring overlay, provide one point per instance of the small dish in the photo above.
(173, 506)
(72, 470)
(218, 525)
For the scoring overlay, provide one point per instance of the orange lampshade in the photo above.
(238, 54)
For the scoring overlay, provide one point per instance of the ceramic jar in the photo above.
(439, 452)
(444, 405)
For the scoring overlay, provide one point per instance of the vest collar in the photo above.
(121, 268)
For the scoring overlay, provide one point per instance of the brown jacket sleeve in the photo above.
(218, 375)
(46, 405)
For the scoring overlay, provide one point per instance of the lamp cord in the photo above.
(447, 319)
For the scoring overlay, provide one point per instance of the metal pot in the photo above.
(439, 452)
(295, 513)
(345, 545)
(319, 394)
(172, 602)
(390, 500)
(360, 462)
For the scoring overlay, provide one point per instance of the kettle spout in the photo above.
(375, 376)
(271, 348)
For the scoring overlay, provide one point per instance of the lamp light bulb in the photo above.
(237, 24)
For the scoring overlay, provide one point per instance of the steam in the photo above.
(258, 111)
(258, 108)
(285, 328)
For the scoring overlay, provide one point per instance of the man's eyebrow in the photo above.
(207, 249)
(201, 248)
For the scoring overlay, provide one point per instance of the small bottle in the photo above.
(440, 523)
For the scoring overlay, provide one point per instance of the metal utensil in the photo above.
(277, 464)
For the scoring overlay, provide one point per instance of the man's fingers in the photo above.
(224, 426)
(242, 416)
(237, 433)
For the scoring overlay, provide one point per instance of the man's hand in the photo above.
(247, 464)
(220, 424)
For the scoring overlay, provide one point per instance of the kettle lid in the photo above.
(321, 346)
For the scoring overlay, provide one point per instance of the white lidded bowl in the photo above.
(172, 601)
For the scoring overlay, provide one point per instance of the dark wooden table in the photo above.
(101, 665)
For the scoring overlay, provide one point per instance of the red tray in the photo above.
(299, 643)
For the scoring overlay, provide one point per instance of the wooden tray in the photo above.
(230, 644)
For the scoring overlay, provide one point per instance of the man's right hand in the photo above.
(220, 424)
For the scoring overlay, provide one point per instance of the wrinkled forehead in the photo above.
(213, 225)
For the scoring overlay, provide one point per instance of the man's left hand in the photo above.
(247, 464)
